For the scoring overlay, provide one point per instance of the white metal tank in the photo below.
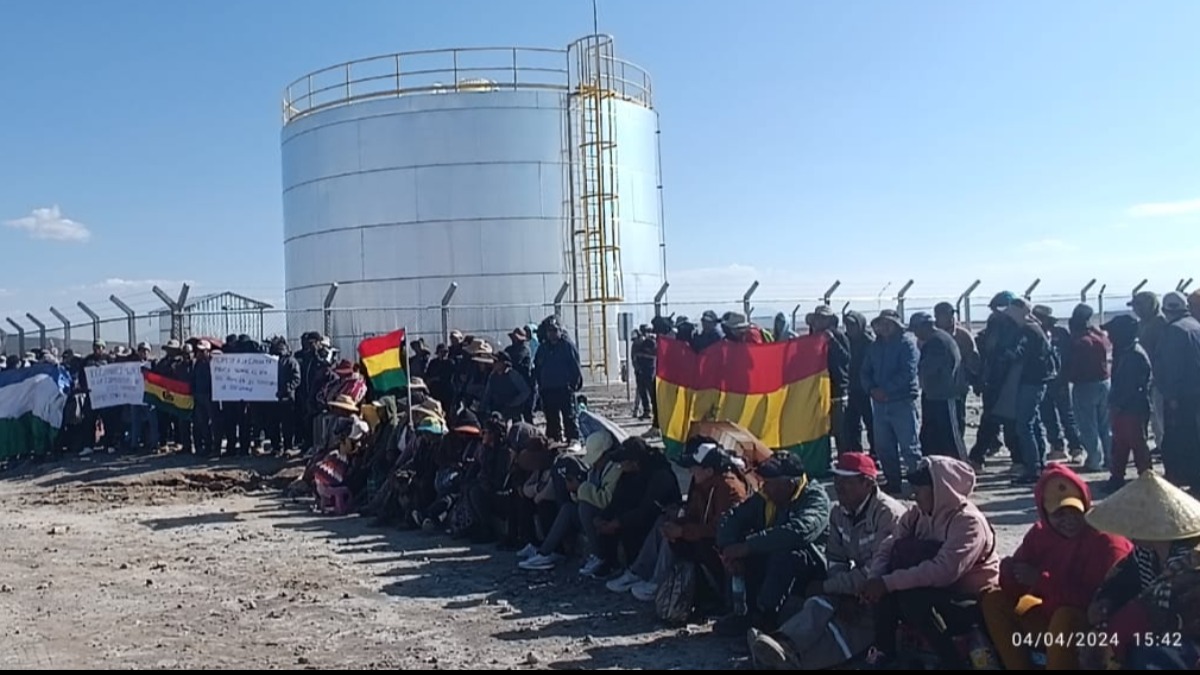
(507, 171)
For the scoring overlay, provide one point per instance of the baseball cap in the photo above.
(782, 464)
(944, 309)
(1174, 302)
(1001, 300)
(700, 451)
(919, 319)
(1058, 493)
(855, 464)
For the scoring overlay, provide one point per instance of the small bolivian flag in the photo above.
(171, 396)
(385, 360)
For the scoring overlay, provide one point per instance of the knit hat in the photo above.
(1148, 509)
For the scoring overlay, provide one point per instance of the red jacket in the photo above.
(1072, 569)
(1088, 360)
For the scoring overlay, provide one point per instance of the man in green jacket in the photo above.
(772, 543)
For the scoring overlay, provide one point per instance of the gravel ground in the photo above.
(173, 562)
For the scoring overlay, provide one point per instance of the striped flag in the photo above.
(171, 396)
(779, 391)
(31, 409)
(385, 360)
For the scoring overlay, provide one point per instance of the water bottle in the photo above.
(738, 586)
(983, 657)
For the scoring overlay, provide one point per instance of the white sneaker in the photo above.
(645, 591)
(528, 552)
(540, 563)
(589, 568)
(623, 583)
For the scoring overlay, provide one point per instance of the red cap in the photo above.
(855, 464)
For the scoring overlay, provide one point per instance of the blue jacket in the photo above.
(891, 365)
(556, 366)
(1179, 358)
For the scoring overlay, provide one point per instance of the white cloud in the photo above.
(1165, 209)
(1050, 246)
(118, 284)
(49, 223)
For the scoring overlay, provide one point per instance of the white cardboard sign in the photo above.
(116, 384)
(245, 377)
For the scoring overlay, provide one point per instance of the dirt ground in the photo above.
(175, 562)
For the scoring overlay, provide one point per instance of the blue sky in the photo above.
(802, 141)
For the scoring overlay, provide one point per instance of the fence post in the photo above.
(900, 299)
(746, 299)
(562, 293)
(964, 302)
(95, 320)
(171, 307)
(662, 292)
(327, 312)
(1183, 285)
(41, 329)
(1032, 287)
(130, 315)
(795, 311)
(20, 335)
(446, 311)
(66, 328)
(1083, 293)
(1100, 303)
(1139, 287)
(829, 293)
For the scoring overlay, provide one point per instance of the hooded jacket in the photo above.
(838, 363)
(940, 370)
(1072, 570)
(1131, 375)
(1150, 332)
(708, 502)
(289, 377)
(967, 561)
(801, 525)
(601, 484)
(640, 497)
(853, 539)
(1178, 362)
(781, 330)
(891, 365)
(556, 366)
(858, 348)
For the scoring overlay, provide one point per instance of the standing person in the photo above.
(281, 415)
(998, 383)
(310, 374)
(859, 413)
(521, 356)
(823, 320)
(1036, 361)
(945, 316)
(1128, 401)
(108, 420)
(203, 408)
(942, 384)
(890, 374)
(1088, 372)
(710, 332)
(559, 376)
(1152, 323)
(143, 418)
(419, 361)
(645, 363)
(1178, 373)
(1057, 412)
(781, 330)
(439, 377)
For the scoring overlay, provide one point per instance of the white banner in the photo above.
(245, 377)
(116, 384)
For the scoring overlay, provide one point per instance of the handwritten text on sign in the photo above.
(116, 384)
(245, 377)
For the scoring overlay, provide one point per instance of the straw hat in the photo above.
(417, 384)
(344, 402)
(430, 408)
(1148, 509)
(482, 353)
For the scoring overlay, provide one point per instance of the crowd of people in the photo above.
(754, 541)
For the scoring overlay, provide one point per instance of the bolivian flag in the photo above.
(173, 397)
(778, 391)
(385, 360)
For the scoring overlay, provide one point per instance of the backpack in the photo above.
(677, 595)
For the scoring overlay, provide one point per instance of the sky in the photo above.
(869, 142)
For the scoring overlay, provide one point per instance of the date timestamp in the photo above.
(1094, 639)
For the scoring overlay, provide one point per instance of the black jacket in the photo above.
(640, 497)
(1179, 358)
(1033, 352)
(289, 377)
(858, 350)
(839, 359)
(1130, 393)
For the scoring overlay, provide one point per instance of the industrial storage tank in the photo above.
(512, 173)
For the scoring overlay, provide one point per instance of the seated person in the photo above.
(1046, 585)
(772, 543)
(717, 485)
(531, 506)
(930, 572)
(1163, 522)
(646, 490)
(1169, 611)
(833, 627)
(484, 479)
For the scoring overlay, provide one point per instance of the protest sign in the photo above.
(245, 377)
(115, 384)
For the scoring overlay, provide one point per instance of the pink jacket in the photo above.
(967, 560)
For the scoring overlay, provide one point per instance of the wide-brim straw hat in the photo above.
(417, 384)
(429, 408)
(481, 353)
(1148, 509)
(344, 402)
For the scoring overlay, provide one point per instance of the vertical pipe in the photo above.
(180, 309)
(41, 330)
(662, 222)
(795, 312)
(900, 299)
(130, 318)
(1100, 303)
(95, 320)
(20, 336)
(746, 299)
(66, 328)
(446, 311)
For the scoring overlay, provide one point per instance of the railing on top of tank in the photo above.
(468, 69)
